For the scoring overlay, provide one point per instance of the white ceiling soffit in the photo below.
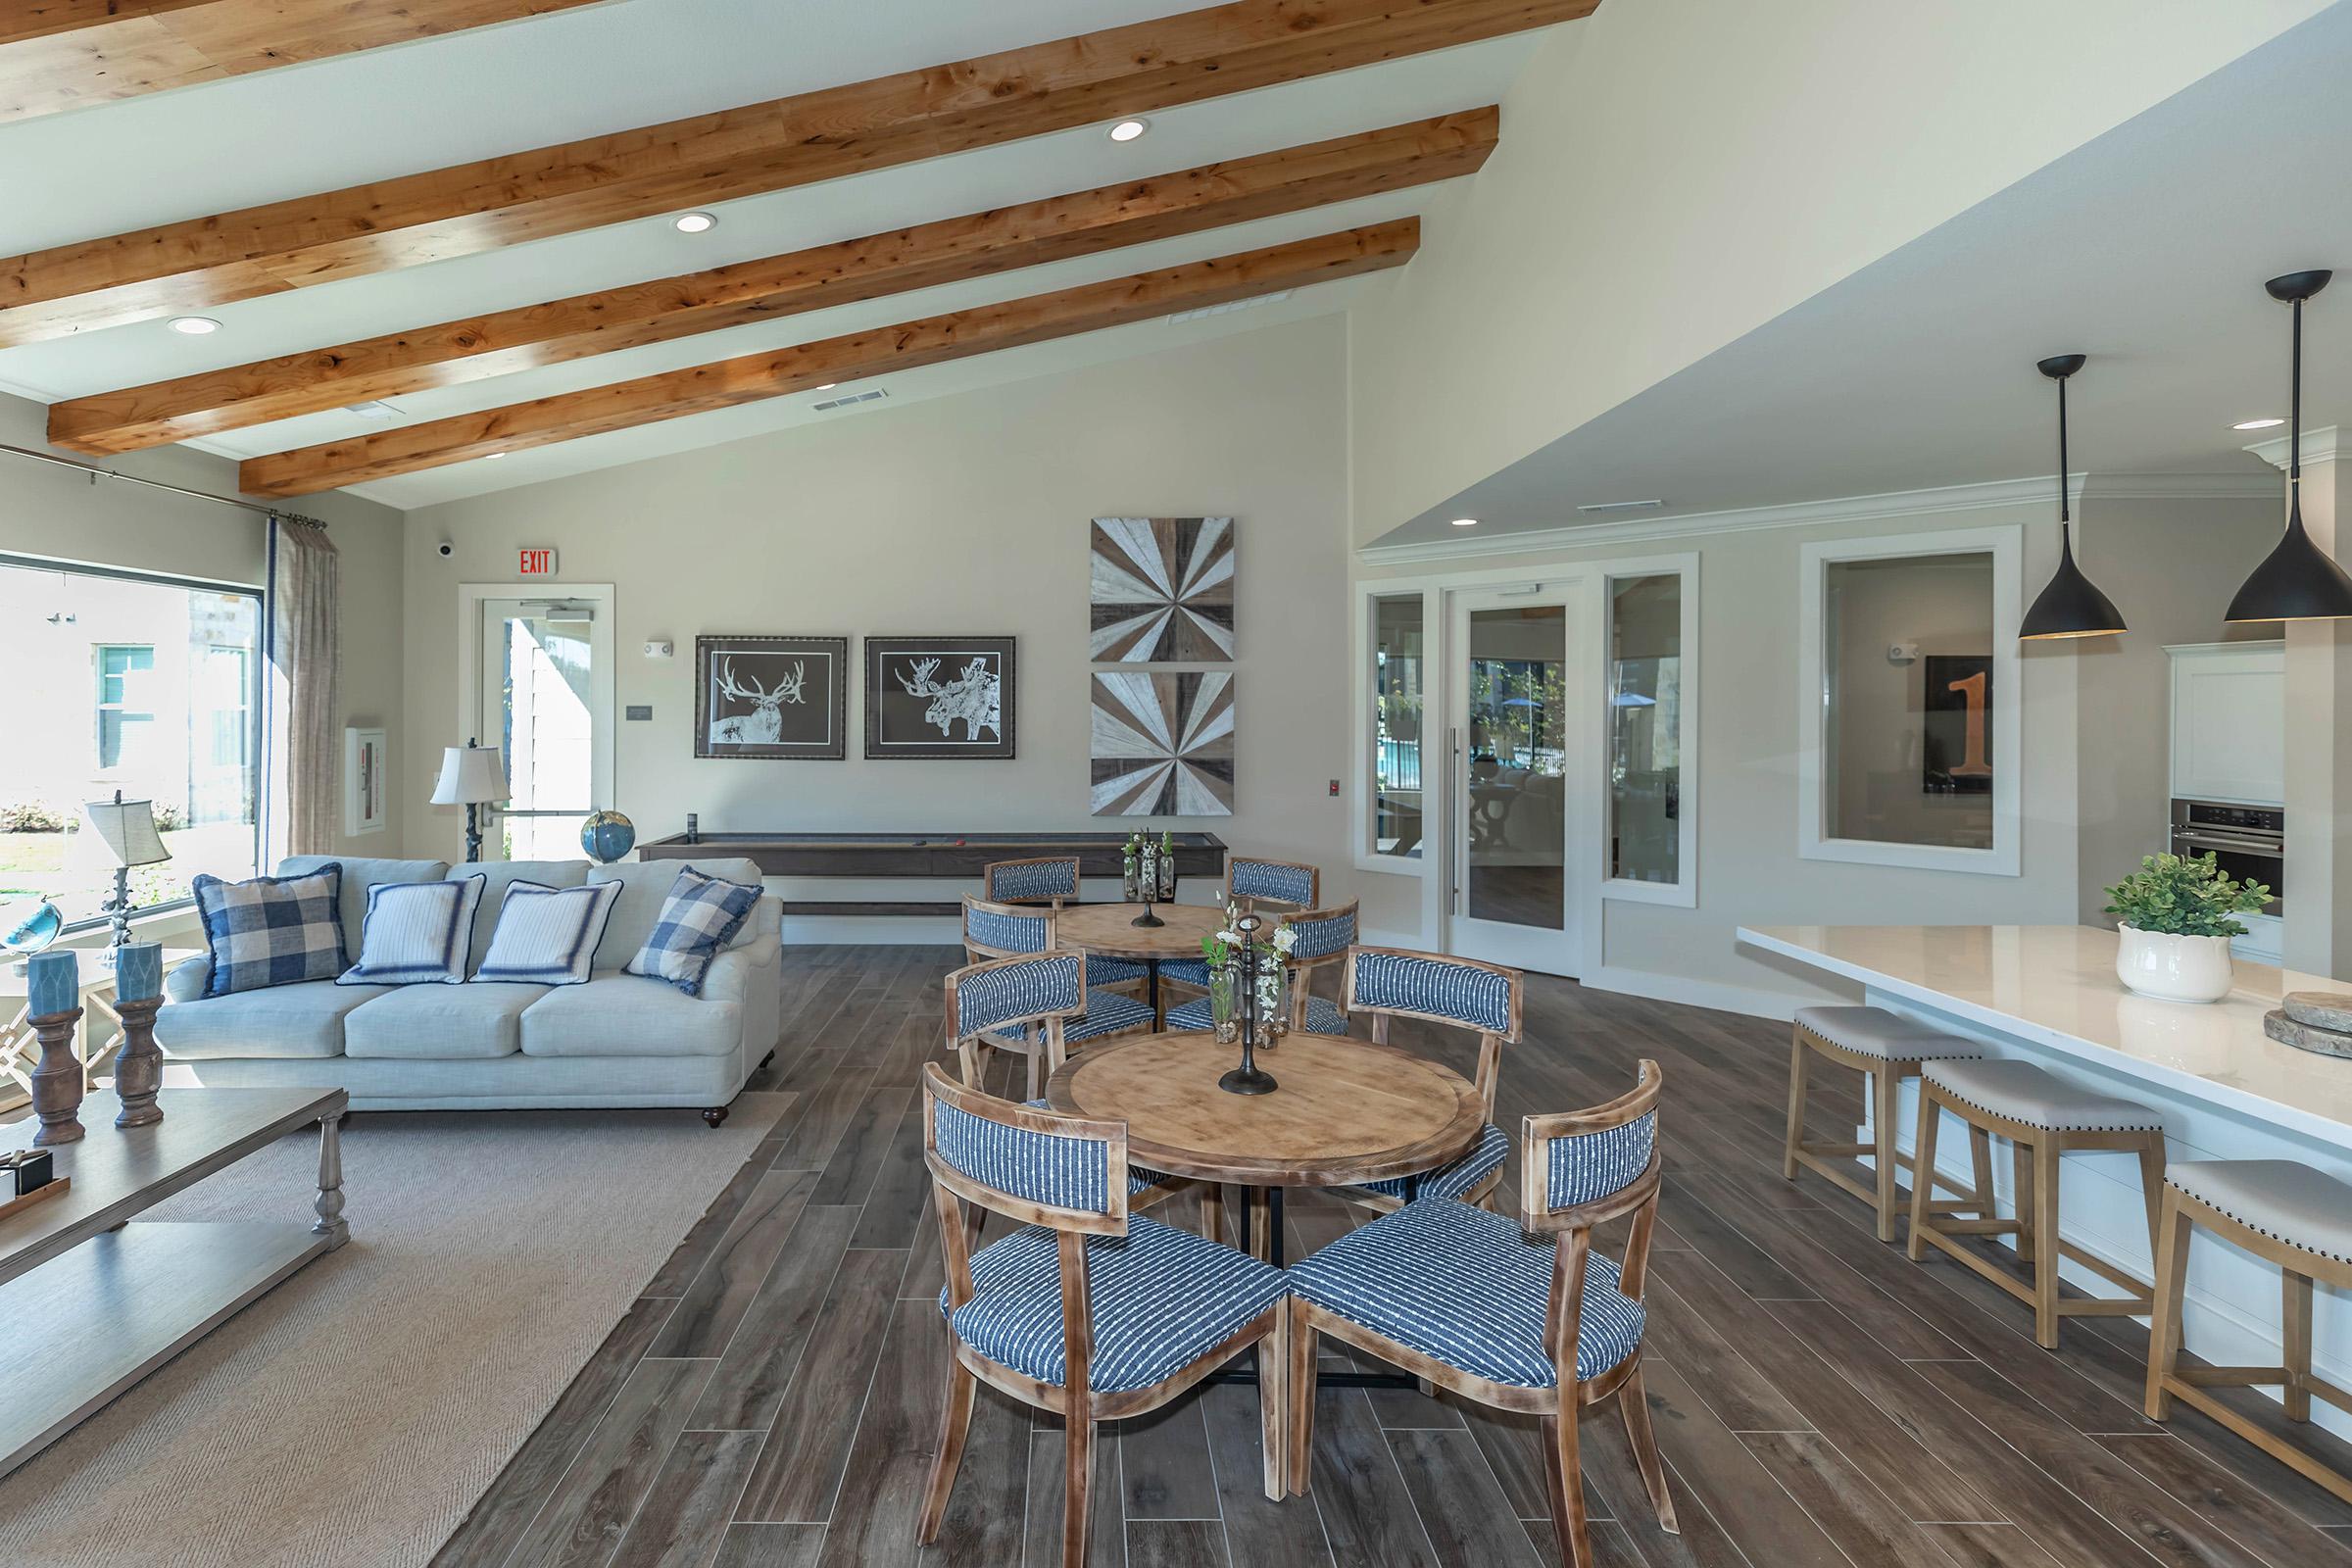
(2146, 249)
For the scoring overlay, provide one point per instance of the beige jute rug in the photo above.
(349, 1418)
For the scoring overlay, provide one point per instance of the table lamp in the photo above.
(127, 830)
(471, 777)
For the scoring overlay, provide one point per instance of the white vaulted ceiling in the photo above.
(337, 122)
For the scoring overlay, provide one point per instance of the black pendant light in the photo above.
(2071, 606)
(2297, 580)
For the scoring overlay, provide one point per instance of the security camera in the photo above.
(446, 548)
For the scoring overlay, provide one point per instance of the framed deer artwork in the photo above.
(939, 697)
(780, 698)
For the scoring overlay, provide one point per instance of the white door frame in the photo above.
(1573, 948)
(472, 597)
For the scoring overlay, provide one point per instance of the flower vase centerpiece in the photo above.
(1246, 985)
(1144, 855)
(2176, 917)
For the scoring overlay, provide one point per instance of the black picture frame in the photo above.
(902, 722)
(810, 725)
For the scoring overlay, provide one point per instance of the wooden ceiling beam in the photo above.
(771, 146)
(1058, 228)
(853, 356)
(65, 54)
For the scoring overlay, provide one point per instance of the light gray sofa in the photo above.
(620, 1040)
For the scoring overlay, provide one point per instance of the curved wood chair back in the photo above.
(1325, 937)
(1437, 988)
(1004, 930)
(1034, 991)
(1578, 1169)
(1048, 879)
(1250, 882)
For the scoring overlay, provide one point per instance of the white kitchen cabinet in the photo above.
(2230, 722)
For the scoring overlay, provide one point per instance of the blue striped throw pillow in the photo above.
(701, 915)
(417, 933)
(271, 930)
(546, 936)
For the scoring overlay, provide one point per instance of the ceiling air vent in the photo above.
(1621, 506)
(1228, 308)
(877, 394)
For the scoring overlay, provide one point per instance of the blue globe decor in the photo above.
(606, 836)
(28, 923)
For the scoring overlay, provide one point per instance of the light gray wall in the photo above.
(963, 515)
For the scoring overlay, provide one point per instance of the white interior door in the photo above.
(543, 694)
(1517, 711)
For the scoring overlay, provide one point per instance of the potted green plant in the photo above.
(2176, 915)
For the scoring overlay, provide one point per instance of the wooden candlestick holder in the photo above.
(57, 1082)
(138, 1066)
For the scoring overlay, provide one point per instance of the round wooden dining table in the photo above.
(1344, 1111)
(1108, 930)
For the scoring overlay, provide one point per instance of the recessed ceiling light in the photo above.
(694, 222)
(1465, 522)
(824, 386)
(193, 325)
(2256, 424)
(376, 410)
(1129, 130)
(492, 456)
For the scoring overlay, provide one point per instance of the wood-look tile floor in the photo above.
(773, 1398)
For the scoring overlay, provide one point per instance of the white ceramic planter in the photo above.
(2173, 968)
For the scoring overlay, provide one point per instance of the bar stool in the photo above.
(2298, 1218)
(1887, 1047)
(2044, 1118)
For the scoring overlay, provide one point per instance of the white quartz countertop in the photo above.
(2054, 986)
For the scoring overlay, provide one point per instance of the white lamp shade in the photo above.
(471, 774)
(127, 828)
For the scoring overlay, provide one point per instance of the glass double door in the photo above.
(1519, 718)
(545, 687)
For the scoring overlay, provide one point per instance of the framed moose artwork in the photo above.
(939, 697)
(771, 696)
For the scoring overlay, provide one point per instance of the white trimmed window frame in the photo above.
(2005, 545)
(1364, 739)
(1682, 892)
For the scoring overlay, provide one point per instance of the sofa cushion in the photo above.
(298, 1021)
(417, 933)
(548, 936)
(701, 915)
(359, 875)
(628, 1015)
(270, 931)
(644, 888)
(441, 1023)
(499, 873)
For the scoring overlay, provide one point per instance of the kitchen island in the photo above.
(2224, 1089)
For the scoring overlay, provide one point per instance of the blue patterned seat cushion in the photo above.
(1186, 971)
(1469, 1289)
(1106, 1012)
(1322, 1016)
(1160, 1297)
(1456, 1179)
(1139, 1180)
(1112, 972)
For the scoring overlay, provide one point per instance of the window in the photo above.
(1912, 758)
(125, 681)
(1397, 660)
(1645, 729)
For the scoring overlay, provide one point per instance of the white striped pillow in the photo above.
(546, 936)
(417, 933)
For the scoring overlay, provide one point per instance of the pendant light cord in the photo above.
(2294, 438)
(2063, 516)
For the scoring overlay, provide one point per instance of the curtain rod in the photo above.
(97, 473)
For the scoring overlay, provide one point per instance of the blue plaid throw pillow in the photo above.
(271, 931)
(701, 917)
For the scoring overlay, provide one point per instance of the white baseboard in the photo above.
(1747, 999)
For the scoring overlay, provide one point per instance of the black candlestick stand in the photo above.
(1248, 1079)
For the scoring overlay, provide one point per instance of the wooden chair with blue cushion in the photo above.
(1039, 995)
(1052, 880)
(1085, 1311)
(1324, 938)
(1385, 983)
(1009, 931)
(1263, 887)
(1528, 1320)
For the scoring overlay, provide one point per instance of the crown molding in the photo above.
(2323, 445)
(1890, 505)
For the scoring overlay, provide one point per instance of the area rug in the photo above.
(353, 1415)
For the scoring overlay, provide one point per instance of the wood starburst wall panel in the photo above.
(1162, 744)
(1162, 589)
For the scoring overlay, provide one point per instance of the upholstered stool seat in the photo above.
(2044, 1118)
(2020, 1092)
(2294, 1217)
(1887, 1047)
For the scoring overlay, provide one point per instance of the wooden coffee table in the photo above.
(91, 1303)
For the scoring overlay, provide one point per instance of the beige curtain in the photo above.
(303, 649)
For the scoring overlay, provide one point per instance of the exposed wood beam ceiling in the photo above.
(64, 54)
(934, 340)
(759, 148)
(1030, 234)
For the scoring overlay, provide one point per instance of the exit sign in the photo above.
(536, 563)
